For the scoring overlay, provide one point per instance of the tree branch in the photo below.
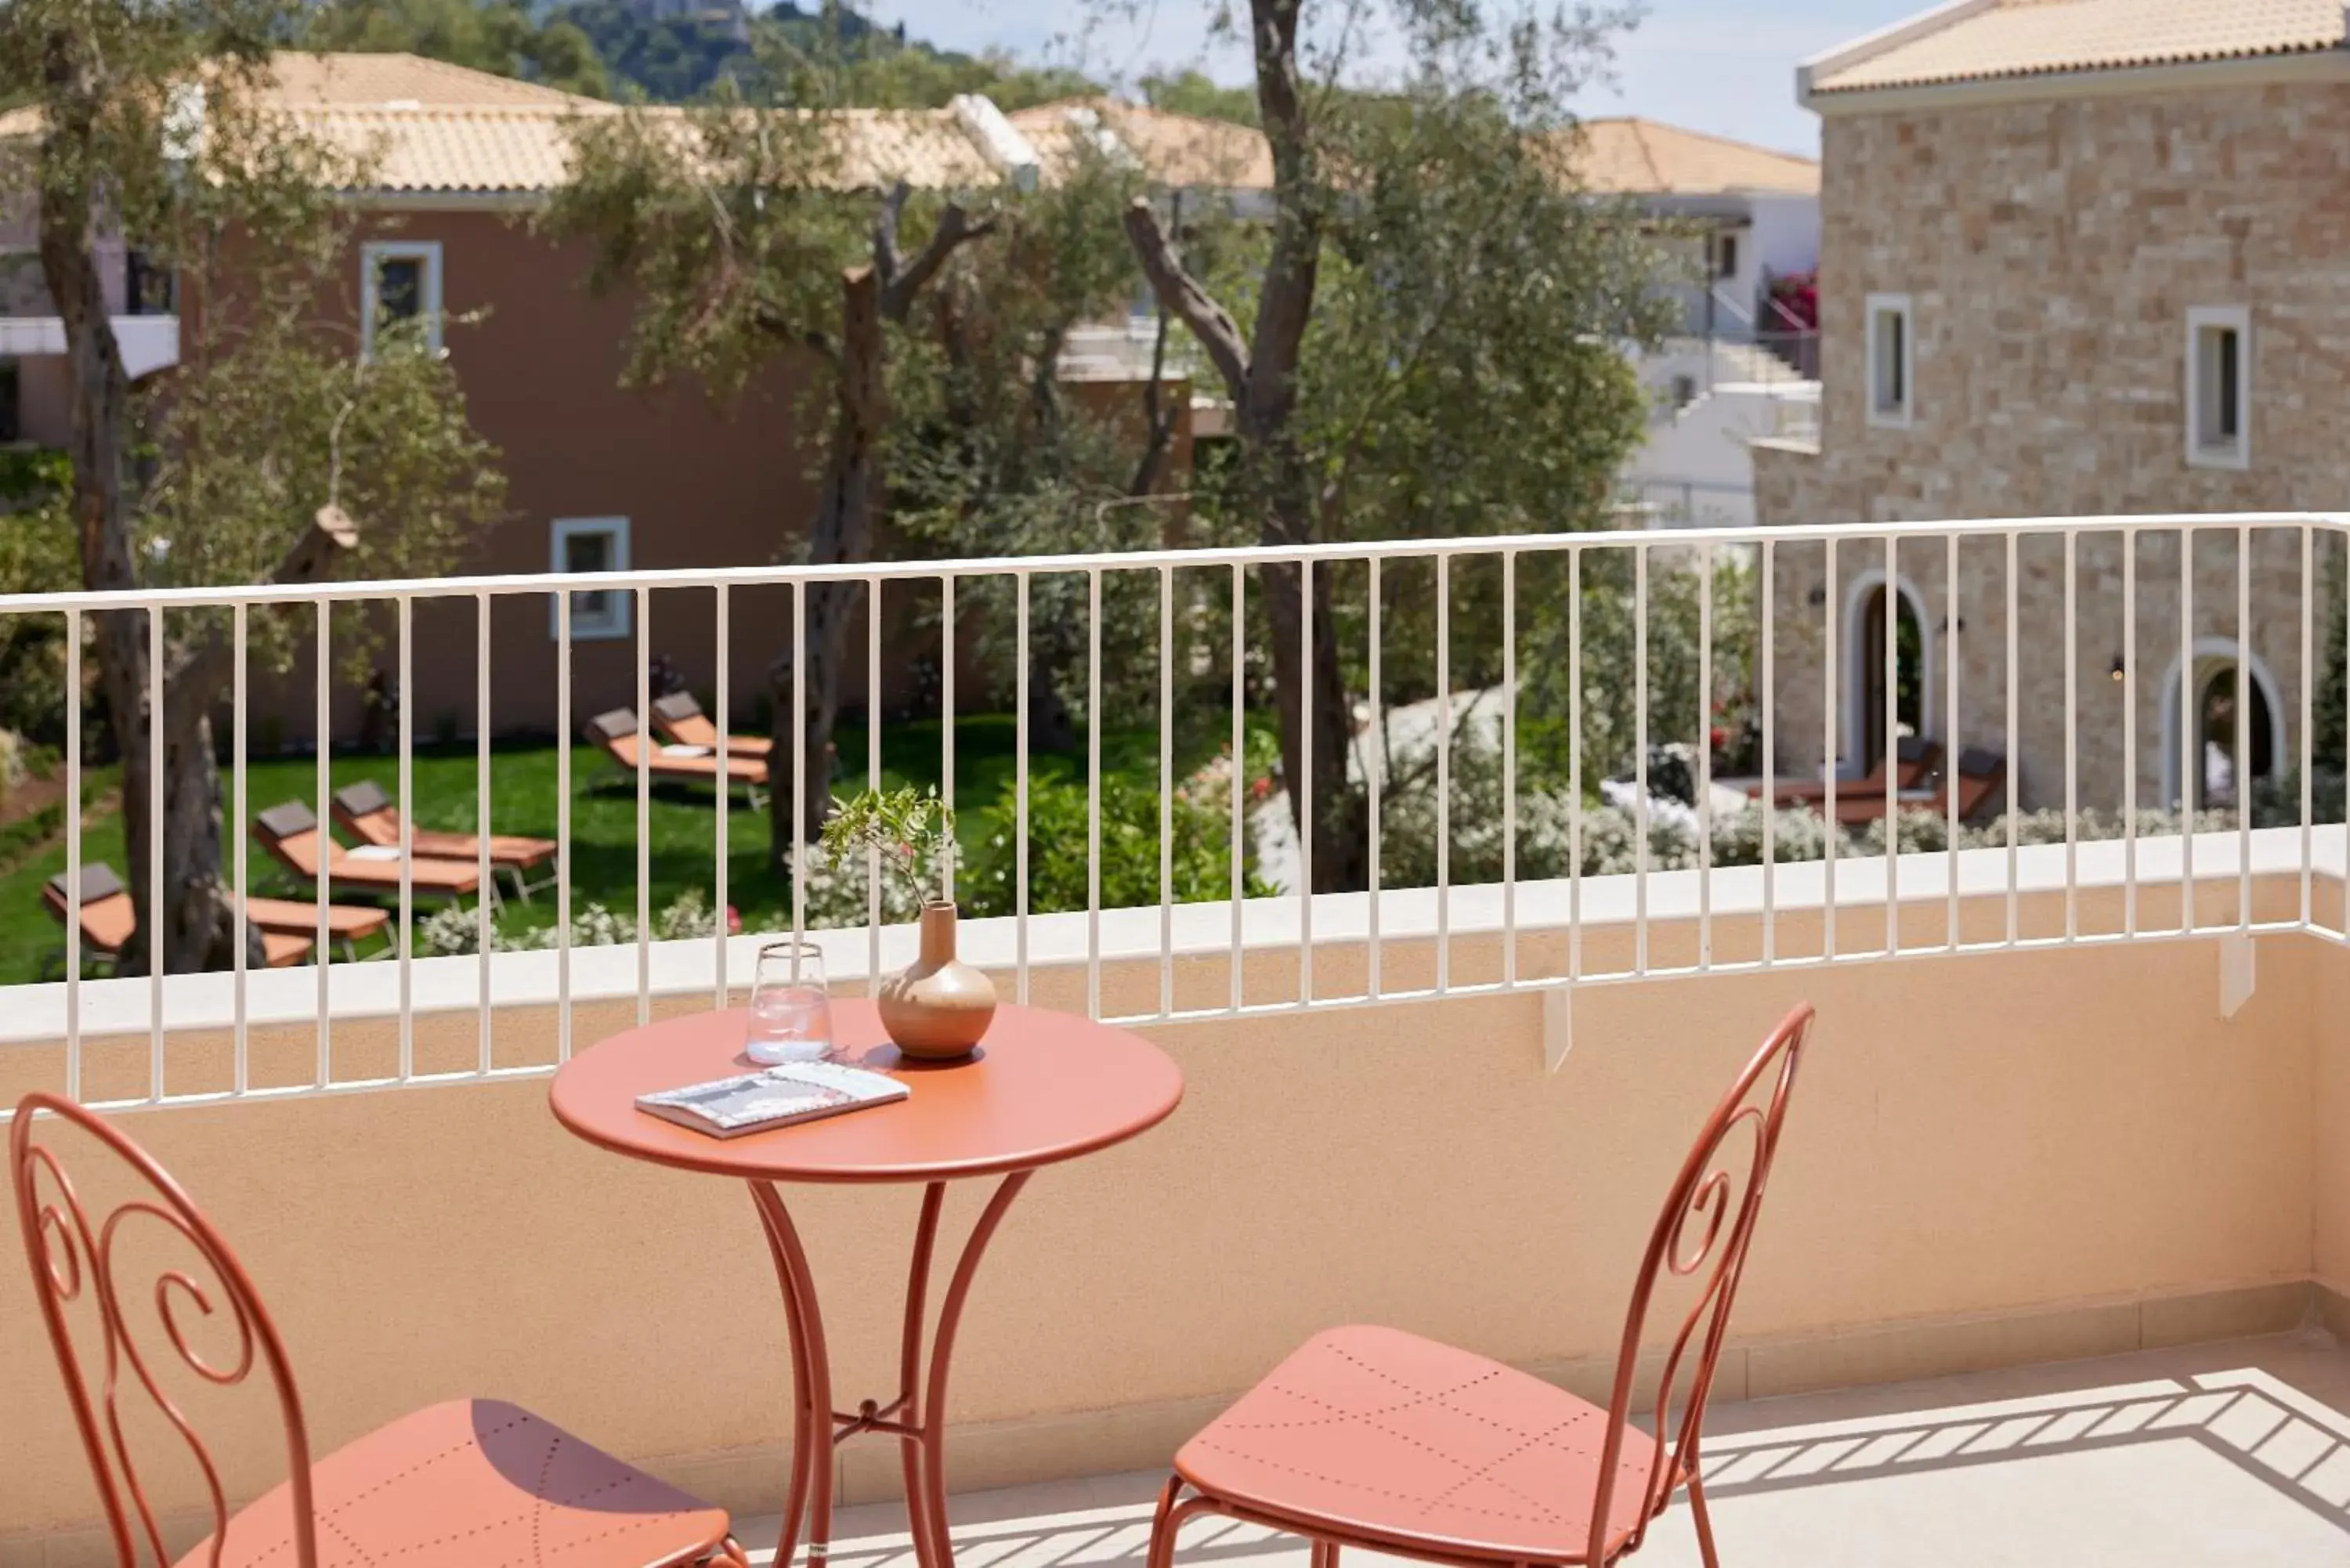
(956, 228)
(311, 558)
(1183, 297)
(886, 258)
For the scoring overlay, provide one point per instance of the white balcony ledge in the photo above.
(150, 343)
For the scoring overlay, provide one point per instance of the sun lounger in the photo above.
(617, 733)
(109, 919)
(291, 836)
(678, 717)
(365, 812)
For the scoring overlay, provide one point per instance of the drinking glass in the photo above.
(791, 1011)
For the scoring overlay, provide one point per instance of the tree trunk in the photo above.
(197, 920)
(843, 531)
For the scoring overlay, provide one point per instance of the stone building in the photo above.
(2086, 258)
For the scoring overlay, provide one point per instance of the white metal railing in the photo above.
(1787, 644)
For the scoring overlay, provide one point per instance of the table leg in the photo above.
(916, 1418)
(926, 1504)
(811, 1486)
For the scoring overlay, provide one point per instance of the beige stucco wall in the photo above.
(2050, 251)
(2043, 1153)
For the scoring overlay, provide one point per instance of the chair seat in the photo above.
(1382, 1436)
(477, 1482)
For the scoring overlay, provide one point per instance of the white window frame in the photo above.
(1882, 412)
(619, 619)
(2237, 451)
(373, 254)
(1725, 251)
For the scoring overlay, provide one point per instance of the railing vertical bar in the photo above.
(1769, 802)
(1375, 767)
(2191, 739)
(158, 956)
(1640, 758)
(2243, 772)
(2308, 712)
(1509, 767)
(1705, 760)
(72, 695)
(1892, 717)
(2072, 738)
(1575, 762)
(1954, 741)
(563, 822)
(482, 940)
(238, 803)
(1443, 775)
(721, 698)
(2015, 758)
(947, 720)
(1831, 825)
(1093, 792)
(322, 750)
(2129, 734)
(1166, 789)
(1239, 767)
(644, 806)
(1302, 787)
(407, 625)
(873, 910)
(1019, 788)
(798, 813)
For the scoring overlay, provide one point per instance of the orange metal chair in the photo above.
(456, 1485)
(1377, 1439)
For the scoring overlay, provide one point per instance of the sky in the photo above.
(1727, 66)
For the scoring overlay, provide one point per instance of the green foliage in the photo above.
(1190, 92)
(910, 833)
(1059, 814)
(507, 38)
(37, 556)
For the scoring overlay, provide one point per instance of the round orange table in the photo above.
(1042, 1086)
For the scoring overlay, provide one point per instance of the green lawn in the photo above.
(524, 799)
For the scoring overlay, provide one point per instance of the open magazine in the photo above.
(774, 1098)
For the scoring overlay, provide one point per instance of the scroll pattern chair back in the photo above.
(1689, 1280)
(75, 1270)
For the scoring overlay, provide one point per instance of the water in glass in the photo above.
(791, 1012)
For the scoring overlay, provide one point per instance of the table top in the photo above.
(1042, 1086)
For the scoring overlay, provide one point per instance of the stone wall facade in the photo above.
(2050, 251)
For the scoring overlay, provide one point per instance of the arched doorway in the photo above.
(2218, 775)
(1912, 678)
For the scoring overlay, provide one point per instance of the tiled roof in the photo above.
(1177, 150)
(435, 128)
(1640, 157)
(1995, 39)
(491, 150)
(300, 79)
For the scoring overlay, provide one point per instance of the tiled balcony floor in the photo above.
(2235, 1453)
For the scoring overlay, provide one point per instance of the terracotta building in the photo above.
(2078, 257)
(599, 476)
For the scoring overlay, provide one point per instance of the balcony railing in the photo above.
(1562, 783)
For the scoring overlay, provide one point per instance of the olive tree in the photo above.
(149, 129)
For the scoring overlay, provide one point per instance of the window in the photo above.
(400, 281)
(592, 544)
(1725, 255)
(2219, 386)
(1891, 349)
(147, 289)
(8, 400)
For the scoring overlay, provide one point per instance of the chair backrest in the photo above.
(73, 1255)
(608, 730)
(682, 714)
(1696, 1255)
(290, 832)
(365, 809)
